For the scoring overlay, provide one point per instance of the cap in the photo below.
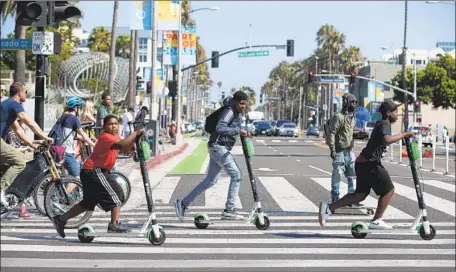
(388, 106)
(349, 97)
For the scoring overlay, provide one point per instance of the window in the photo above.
(142, 56)
(142, 44)
(418, 62)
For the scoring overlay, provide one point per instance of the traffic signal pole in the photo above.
(42, 65)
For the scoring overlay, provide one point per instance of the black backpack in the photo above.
(212, 119)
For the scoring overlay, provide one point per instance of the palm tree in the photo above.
(99, 40)
(112, 53)
(123, 46)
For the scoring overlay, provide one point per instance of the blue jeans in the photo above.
(71, 165)
(343, 164)
(220, 158)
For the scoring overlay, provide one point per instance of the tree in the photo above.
(99, 40)
(123, 46)
(436, 84)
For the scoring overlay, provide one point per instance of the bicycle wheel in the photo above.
(124, 183)
(55, 202)
(39, 193)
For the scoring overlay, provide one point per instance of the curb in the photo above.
(157, 160)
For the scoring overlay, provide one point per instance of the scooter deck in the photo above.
(115, 234)
(393, 230)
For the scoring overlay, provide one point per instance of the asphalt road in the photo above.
(293, 175)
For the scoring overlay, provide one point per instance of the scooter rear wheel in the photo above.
(429, 236)
(198, 223)
(356, 232)
(81, 235)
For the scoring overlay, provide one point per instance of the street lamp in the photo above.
(179, 65)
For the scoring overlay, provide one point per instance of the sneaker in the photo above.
(323, 213)
(3, 200)
(231, 215)
(356, 205)
(379, 224)
(59, 225)
(180, 209)
(118, 228)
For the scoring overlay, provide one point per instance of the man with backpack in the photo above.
(224, 125)
(339, 137)
(64, 132)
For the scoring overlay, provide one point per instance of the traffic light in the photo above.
(63, 11)
(149, 87)
(417, 106)
(172, 87)
(290, 48)
(139, 82)
(32, 13)
(310, 77)
(215, 61)
(261, 98)
(352, 78)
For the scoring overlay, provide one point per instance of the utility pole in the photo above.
(414, 88)
(42, 62)
(153, 56)
(404, 60)
(179, 77)
(300, 107)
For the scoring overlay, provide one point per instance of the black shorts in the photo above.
(100, 187)
(374, 176)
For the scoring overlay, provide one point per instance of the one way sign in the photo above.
(43, 43)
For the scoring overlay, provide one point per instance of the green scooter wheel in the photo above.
(82, 234)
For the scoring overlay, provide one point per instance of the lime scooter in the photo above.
(425, 229)
(256, 215)
(156, 235)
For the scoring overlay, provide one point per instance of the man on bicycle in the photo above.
(10, 110)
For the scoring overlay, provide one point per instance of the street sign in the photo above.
(262, 53)
(330, 79)
(16, 44)
(43, 43)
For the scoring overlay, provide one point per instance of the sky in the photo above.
(366, 24)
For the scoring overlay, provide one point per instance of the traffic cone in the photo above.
(427, 154)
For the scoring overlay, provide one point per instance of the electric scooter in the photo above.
(256, 215)
(156, 235)
(426, 231)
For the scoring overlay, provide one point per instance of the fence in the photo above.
(428, 155)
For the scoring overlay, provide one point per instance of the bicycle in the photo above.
(22, 188)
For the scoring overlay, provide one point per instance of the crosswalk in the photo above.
(294, 241)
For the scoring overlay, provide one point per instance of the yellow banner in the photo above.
(167, 15)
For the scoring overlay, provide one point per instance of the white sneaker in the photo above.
(323, 213)
(3, 200)
(379, 224)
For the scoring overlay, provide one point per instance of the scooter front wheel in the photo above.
(429, 236)
(157, 241)
(266, 224)
(357, 233)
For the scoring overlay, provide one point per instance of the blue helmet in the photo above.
(74, 102)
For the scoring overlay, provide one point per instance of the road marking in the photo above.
(286, 195)
(194, 231)
(215, 197)
(391, 212)
(439, 184)
(238, 241)
(237, 250)
(274, 150)
(292, 141)
(107, 263)
(432, 201)
(237, 150)
(310, 141)
(276, 141)
(319, 169)
(164, 190)
(298, 160)
(205, 165)
(282, 153)
(266, 169)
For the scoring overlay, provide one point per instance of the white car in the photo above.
(288, 129)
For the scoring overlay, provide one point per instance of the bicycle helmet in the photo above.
(74, 102)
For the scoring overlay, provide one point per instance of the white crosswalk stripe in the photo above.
(293, 241)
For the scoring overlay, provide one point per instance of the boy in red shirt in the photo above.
(99, 187)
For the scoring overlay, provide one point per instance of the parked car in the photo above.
(313, 131)
(263, 128)
(288, 129)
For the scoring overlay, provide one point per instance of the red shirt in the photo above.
(103, 156)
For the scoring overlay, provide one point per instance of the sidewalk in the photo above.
(158, 167)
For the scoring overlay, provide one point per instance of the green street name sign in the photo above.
(263, 53)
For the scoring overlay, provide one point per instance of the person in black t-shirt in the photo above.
(370, 173)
